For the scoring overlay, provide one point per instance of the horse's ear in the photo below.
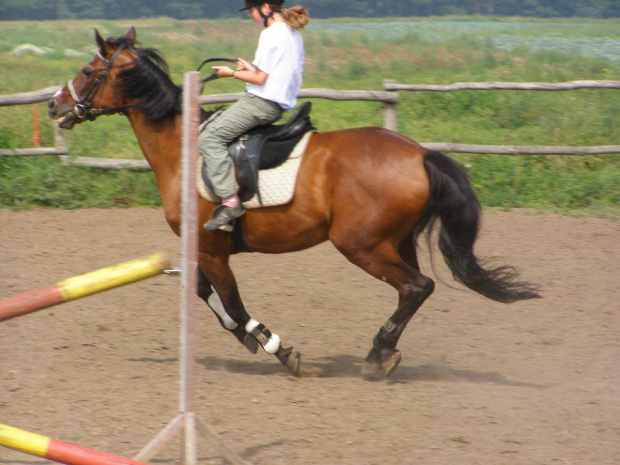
(100, 42)
(131, 36)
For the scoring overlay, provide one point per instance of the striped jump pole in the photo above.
(57, 451)
(83, 285)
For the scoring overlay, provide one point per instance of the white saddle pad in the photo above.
(276, 185)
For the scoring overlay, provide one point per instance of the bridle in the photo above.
(82, 108)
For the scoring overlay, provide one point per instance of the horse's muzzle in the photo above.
(61, 113)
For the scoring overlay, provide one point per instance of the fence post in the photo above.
(186, 421)
(389, 111)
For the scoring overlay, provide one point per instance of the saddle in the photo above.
(263, 148)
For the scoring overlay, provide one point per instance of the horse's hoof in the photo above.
(386, 360)
(371, 365)
(294, 363)
(290, 358)
(391, 363)
(251, 343)
(370, 369)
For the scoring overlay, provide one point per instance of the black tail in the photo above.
(453, 200)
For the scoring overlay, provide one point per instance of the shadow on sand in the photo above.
(348, 366)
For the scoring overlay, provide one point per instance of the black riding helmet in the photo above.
(252, 3)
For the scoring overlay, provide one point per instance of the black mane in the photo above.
(149, 83)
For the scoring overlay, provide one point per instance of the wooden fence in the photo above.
(393, 86)
(60, 146)
(388, 96)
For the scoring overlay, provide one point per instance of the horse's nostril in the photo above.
(50, 103)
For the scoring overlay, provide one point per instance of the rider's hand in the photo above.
(223, 71)
(243, 65)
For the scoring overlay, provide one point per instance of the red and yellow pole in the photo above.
(57, 451)
(83, 285)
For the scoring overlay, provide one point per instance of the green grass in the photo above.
(353, 55)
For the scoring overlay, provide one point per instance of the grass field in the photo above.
(350, 54)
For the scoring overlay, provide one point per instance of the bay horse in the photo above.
(370, 191)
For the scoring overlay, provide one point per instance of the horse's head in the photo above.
(94, 91)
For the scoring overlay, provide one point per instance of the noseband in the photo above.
(83, 108)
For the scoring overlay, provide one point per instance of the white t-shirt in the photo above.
(280, 54)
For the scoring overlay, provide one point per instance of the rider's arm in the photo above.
(257, 76)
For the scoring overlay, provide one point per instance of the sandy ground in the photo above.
(534, 382)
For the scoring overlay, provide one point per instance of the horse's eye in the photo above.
(87, 71)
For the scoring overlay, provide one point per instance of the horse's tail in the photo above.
(453, 200)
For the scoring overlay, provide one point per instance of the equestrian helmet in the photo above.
(252, 3)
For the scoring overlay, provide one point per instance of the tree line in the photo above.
(186, 9)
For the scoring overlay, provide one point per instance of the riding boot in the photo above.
(223, 216)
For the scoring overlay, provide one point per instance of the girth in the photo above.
(263, 148)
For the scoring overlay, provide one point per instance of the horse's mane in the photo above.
(149, 83)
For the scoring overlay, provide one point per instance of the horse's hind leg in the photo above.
(400, 269)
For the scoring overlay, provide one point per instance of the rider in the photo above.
(273, 82)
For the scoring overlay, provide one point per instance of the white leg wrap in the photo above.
(270, 344)
(216, 305)
(273, 345)
(250, 325)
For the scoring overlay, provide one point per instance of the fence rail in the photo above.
(36, 96)
(522, 149)
(390, 85)
(388, 96)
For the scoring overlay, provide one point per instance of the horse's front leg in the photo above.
(212, 299)
(221, 293)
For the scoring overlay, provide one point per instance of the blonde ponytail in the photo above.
(296, 16)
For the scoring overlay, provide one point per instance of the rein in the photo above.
(83, 108)
(214, 75)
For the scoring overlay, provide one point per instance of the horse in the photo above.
(368, 190)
